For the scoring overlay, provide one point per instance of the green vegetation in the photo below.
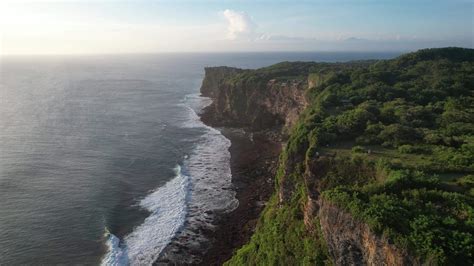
(417, 212)
(401, 137)
(282, 238)
(290, 71)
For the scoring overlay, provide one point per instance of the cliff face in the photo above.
(273, 104)
(214, 77)
(254, 105)
(351, 242)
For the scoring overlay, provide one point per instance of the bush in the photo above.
(358, 149)
(397, 134)
(413, 149)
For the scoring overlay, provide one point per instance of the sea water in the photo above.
(103, 159)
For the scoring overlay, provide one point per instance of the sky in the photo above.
(144, 26)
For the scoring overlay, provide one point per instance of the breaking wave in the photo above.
(167, 206)
(190, 199)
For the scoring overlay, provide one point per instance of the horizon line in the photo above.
(227, 52)
(216, 52)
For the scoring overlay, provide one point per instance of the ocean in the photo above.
(103, 158)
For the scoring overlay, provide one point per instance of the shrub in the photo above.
(358, 149)
(413, 149)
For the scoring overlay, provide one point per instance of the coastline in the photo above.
(253, 160)
(253, 164)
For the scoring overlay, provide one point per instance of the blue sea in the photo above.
(103, 158)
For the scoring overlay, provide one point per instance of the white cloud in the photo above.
(239, 25)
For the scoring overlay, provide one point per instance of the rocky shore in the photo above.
(254, 156)
(253, 122)
(253, 164)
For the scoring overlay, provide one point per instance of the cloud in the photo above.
(239, 25)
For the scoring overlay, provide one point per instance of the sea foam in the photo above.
(197, 192)
(167, 207)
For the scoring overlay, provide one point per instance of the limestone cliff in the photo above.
(351, 242)
(252, 104)
(271, 103)
(214, 77)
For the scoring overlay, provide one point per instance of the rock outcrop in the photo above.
(351, 242)
(214, 78)
(256, 105)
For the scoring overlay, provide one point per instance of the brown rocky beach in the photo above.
(253, 165)
(254, 157)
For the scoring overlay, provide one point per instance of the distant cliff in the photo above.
(214, 79)
(252, 103)
(355, 184)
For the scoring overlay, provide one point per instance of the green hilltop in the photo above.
(398, 139)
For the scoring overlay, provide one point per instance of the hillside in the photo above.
(378, 165)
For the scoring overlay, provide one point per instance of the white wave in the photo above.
(197, 102)
(209, 165)
(116, 255)
(211, 191)
(167, 206)
(194, 104)
(204, 190)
